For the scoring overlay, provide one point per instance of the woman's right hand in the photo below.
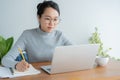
(22, 66)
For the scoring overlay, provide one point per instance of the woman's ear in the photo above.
(39, 19)
(38, 16)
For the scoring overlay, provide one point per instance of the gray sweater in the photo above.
(38, 45)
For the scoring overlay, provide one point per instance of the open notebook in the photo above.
(6, 72)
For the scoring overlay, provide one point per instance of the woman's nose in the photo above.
(51, 23)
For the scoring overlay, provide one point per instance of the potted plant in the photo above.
(5, 46)
(102, 56)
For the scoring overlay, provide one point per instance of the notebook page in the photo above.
(4, 72)
(30, 71)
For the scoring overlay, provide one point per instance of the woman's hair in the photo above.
(42, 6)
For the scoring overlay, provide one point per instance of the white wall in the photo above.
(79, 17)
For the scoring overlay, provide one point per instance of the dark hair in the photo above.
(42, 6)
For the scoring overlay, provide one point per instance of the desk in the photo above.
(109, 72)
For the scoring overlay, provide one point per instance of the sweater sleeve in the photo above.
(65, 40)
(9, 59)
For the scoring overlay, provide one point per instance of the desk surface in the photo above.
(109, 72)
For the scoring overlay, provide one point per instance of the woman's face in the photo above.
(49, 19)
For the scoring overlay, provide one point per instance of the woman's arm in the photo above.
(9, 59)
(65, 41)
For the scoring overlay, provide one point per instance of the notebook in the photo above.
(6, 72)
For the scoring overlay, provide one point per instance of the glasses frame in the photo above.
(48, 20)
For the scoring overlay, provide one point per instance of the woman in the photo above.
(39, 43)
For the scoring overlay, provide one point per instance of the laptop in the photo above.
(72, 58)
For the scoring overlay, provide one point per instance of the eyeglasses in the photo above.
(48, 20)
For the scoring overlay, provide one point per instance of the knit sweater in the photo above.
(38, 45)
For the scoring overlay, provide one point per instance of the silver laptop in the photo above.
(72, 58)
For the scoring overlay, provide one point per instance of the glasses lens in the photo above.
(48, 20)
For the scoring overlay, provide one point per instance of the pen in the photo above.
(11, 70)
(20, 50)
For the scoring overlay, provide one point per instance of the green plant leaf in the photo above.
(5, 46)
(2, 46)
(1, 39)
(95, 39)
(9, 43)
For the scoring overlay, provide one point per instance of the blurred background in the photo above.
(79, 18)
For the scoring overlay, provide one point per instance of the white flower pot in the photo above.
(101, 61)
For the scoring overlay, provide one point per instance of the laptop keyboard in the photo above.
(49, 69)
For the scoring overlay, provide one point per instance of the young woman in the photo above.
(39, 43)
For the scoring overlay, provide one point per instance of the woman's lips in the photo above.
(50, 27)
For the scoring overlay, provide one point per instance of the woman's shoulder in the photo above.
(58, 32)
(27, 31)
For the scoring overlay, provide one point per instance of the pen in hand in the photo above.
(20, 50)
(22, 65)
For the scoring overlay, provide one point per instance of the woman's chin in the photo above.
(49, 30)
